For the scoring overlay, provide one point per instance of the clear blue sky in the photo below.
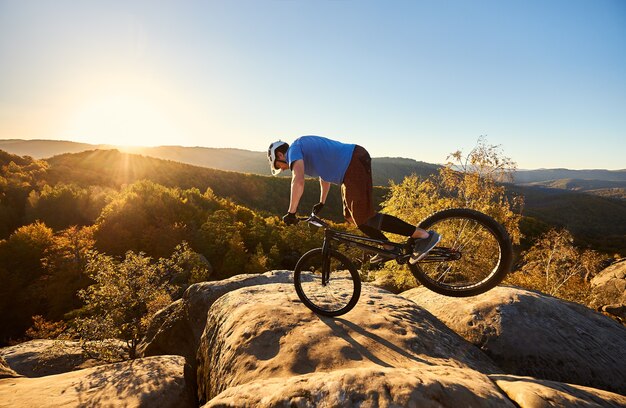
(418, 79)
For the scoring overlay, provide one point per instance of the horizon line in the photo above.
(122, 147)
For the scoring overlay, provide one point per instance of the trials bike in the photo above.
(474, 255)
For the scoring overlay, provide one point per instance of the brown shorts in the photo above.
(356, 188)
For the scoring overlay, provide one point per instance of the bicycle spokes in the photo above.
(467, 254)
(328, 285)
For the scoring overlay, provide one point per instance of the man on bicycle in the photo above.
(348, 165)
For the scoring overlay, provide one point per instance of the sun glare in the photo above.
(123, 120)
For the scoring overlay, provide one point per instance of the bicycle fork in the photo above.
(326, 257)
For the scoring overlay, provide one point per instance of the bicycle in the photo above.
(474, 255)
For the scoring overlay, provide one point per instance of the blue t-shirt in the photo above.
(324, 158)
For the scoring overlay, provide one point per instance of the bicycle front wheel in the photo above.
(474, 254)
(332, 298)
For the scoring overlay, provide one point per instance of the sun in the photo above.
(124, 120)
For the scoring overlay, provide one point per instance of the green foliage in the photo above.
(237, 240)
(258, 262)
(186, 267)
(45, 329)
(471, 181)
(595, 222)
(65, 205)
(121, 299)
(475, 181)
(65, 261)
(531, 229)
(467, 182)
(147, 217)
(116, 203)
(23, 278)
(264, 194)
(555, 266)
(126, 293)
(18, 177)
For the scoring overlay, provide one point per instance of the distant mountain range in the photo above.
(41, 149)
(607, 183)
(602, 188)
(533, 176)
(241, 161)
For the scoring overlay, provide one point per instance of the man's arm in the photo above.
(297, 185)
(324, 188)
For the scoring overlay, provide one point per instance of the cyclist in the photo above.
(348, 165)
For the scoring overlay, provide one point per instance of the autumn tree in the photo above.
(185, 267)
(23, 277)
(258, 262)
(64, 262)
(41, 273)
(66, 205)
(150, 218)
(474, 180)
(466, 181)
(554, 265)
(123, 298)
(18, 177)
(237, 240)
(127, 293)
(46, 329)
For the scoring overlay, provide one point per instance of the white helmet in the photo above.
(271, 156)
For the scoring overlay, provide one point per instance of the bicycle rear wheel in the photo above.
(474, 254)
(335, 297)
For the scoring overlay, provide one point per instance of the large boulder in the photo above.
(38, 358)
(177, 328)
(608, 290)
(531, 334)
(530, 392)
(149, 382)
(6, 371)
(264, 332)
(421, 386)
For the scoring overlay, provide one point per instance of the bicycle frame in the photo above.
(367, 244)
(478, 256)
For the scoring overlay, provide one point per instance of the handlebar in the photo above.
(313, 219)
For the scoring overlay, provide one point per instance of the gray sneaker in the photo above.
(423, 246)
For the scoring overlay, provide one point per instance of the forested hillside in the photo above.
(61, 219)
(530, 176)
(110, 168)
(104, 210)
(602, 188)
(41, 149)
(238, 160)
(595, 221)
(385, 168)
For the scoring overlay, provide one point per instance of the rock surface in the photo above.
(148, 382)
(177, 328)
(608, 290)
(530, 392)
(531, 334)
(6, 371)
(264, 332)
(421, 386)
(260, 346)
(38, 358)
